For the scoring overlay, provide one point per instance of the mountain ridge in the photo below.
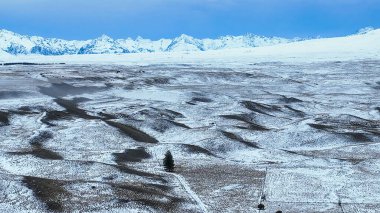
(17, 44)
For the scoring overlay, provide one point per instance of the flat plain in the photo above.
(297, 137)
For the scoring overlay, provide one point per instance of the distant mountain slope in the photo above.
(365, 42)
(17, 44)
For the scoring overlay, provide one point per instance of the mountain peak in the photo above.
(104, 38)
(184, 37)
(7, 32)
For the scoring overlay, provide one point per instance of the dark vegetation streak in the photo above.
(162, 125)
(25, 108)
(289, 100)
(107, 116)
(37, 148)
(358, 129)
(159, 186)
(165, 113)
(131, 155)
(180, 115)
(72, 108)
(353, 161)
(198, 149)
(157, 81)
(147, 195)
(361, 137)
(51, 192)
(40, 138)
(244, 118)
(321, 126)
(257, 127)
(377, 133)
(123, 168)
(295, 153)
(39, 151)
(298, 112)
(132, 132)
(201, 99)
(235, 137)
(179, 124)
(190, 103)
(55, 115)
(260, 108)
(80, 100)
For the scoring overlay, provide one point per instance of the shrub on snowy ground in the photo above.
(169, 162)
(261, 206)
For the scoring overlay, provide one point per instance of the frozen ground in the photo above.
(298, 137)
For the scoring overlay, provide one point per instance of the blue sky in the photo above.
(85, 19)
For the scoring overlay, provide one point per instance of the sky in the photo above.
(154, 19)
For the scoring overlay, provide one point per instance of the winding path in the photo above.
(188, 189)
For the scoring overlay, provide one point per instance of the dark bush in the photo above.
(261, 206)
(169, 162)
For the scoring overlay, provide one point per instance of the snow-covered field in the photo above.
(293, 126)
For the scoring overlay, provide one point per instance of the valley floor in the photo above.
(297, 137)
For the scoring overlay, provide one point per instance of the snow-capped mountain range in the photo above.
(16, 44)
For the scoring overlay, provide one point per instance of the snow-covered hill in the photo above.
(17, 44)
